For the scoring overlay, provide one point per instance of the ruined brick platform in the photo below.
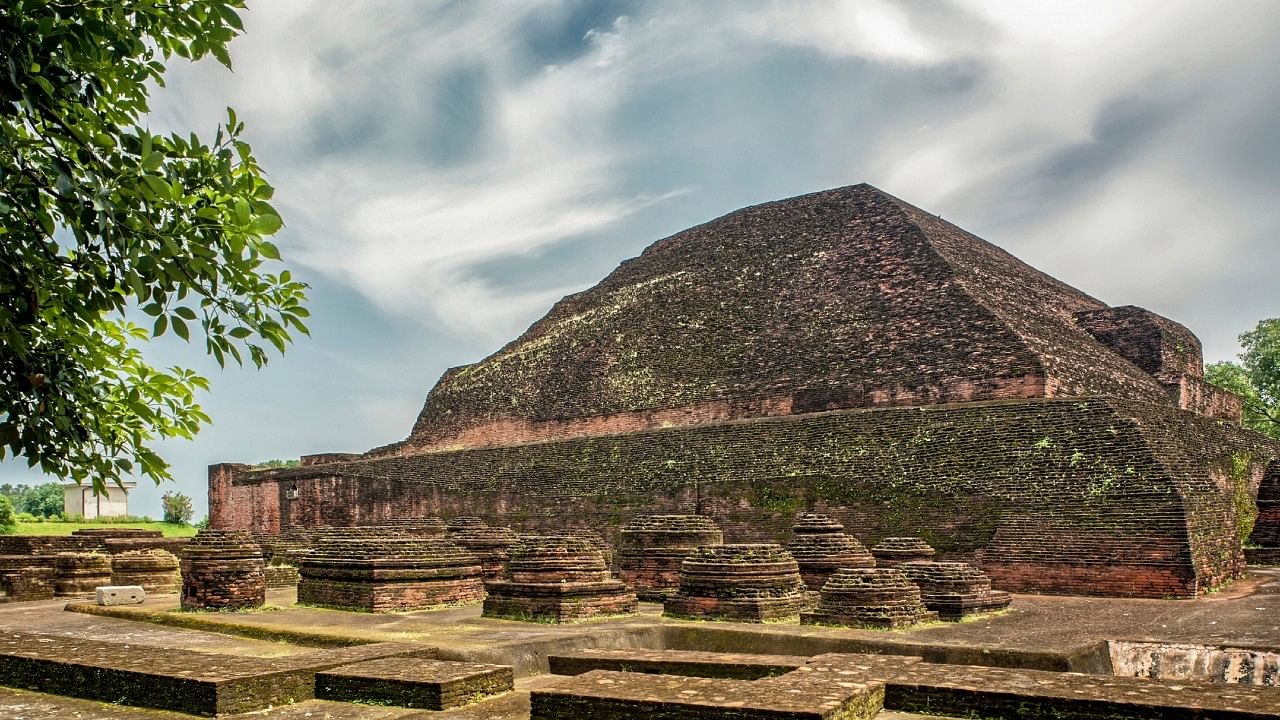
(893, 551)
(651, 548)
(281, 576)
(173, 679)
(490, 545)
(77, 574)
(388, 574)
(692, 663)
(954, 590)
(26, 583)
(869, 597)
(429, 684)
(908, 685)
(222, 570)
(821, 547)
(742, 582)
(556, 579)
(156, 571)
(608, 695)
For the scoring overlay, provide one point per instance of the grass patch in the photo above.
(66, 528)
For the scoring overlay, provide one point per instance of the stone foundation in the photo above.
(80, 573)
(651, 548)
(954, 590)
(820, 547)
(556, 579)
(388, 574)
(155, 571)
(746, 583)
(893, 551)
(222, 570)
(869, 597)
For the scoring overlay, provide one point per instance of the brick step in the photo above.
(428, 684)
(610, 695)
(738, 666)
(173, 679)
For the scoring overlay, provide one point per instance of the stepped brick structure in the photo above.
(155, 571)
(893, 551)
(954, 590)
(222, 570)
(593, 538)
(490, 545)
(842, 352)
(21, 583)
(80, 573)
(421, 526)
(390, 573)
(652, 547)
(279, 577)
(742, 582)
(820, 547)
(556, 579)
(871, 597)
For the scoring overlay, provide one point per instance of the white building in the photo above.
(80, 500)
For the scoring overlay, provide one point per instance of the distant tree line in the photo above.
(1256, 377)
(43, 500)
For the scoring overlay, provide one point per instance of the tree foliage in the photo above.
(1256, 378)
(8, 518)
(103, 222)
(44, 500)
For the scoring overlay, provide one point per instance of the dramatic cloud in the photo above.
(448, 170)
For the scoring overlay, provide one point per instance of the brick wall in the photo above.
(1070, 484)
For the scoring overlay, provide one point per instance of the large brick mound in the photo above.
(556, 578)
(844, 353)
(155, 571)
(746, 582)
(388, 573)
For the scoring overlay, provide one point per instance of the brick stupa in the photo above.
(869, 597)
(954, 590)
(821, 547)
(155, 571)
(222, 570)
(652, 547)
(893, 551)
(388, 573)
(740, 582)
(491, 545)
(845, 350)
(556, 579)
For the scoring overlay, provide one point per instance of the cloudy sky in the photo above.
(447, 170)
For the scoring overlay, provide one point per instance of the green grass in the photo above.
(65, 528)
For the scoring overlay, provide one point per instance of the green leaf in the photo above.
(185, 312)
(180, 329)
(267, 224)
(162, 322)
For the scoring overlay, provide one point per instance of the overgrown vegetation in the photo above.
(177, 508)
(1256, 377)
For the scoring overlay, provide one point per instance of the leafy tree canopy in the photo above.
(44, 500)
(1256, 378)
(101, 218)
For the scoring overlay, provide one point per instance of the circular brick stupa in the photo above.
(156, 571)
(222, 570)
(745, 583)
(893, 551)
(651, 548)
(388, 574)
(593, 537)
(80, 573)
(491, 545)
(869, 597)
(955, 590)
(556, 579)
(821, 547)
